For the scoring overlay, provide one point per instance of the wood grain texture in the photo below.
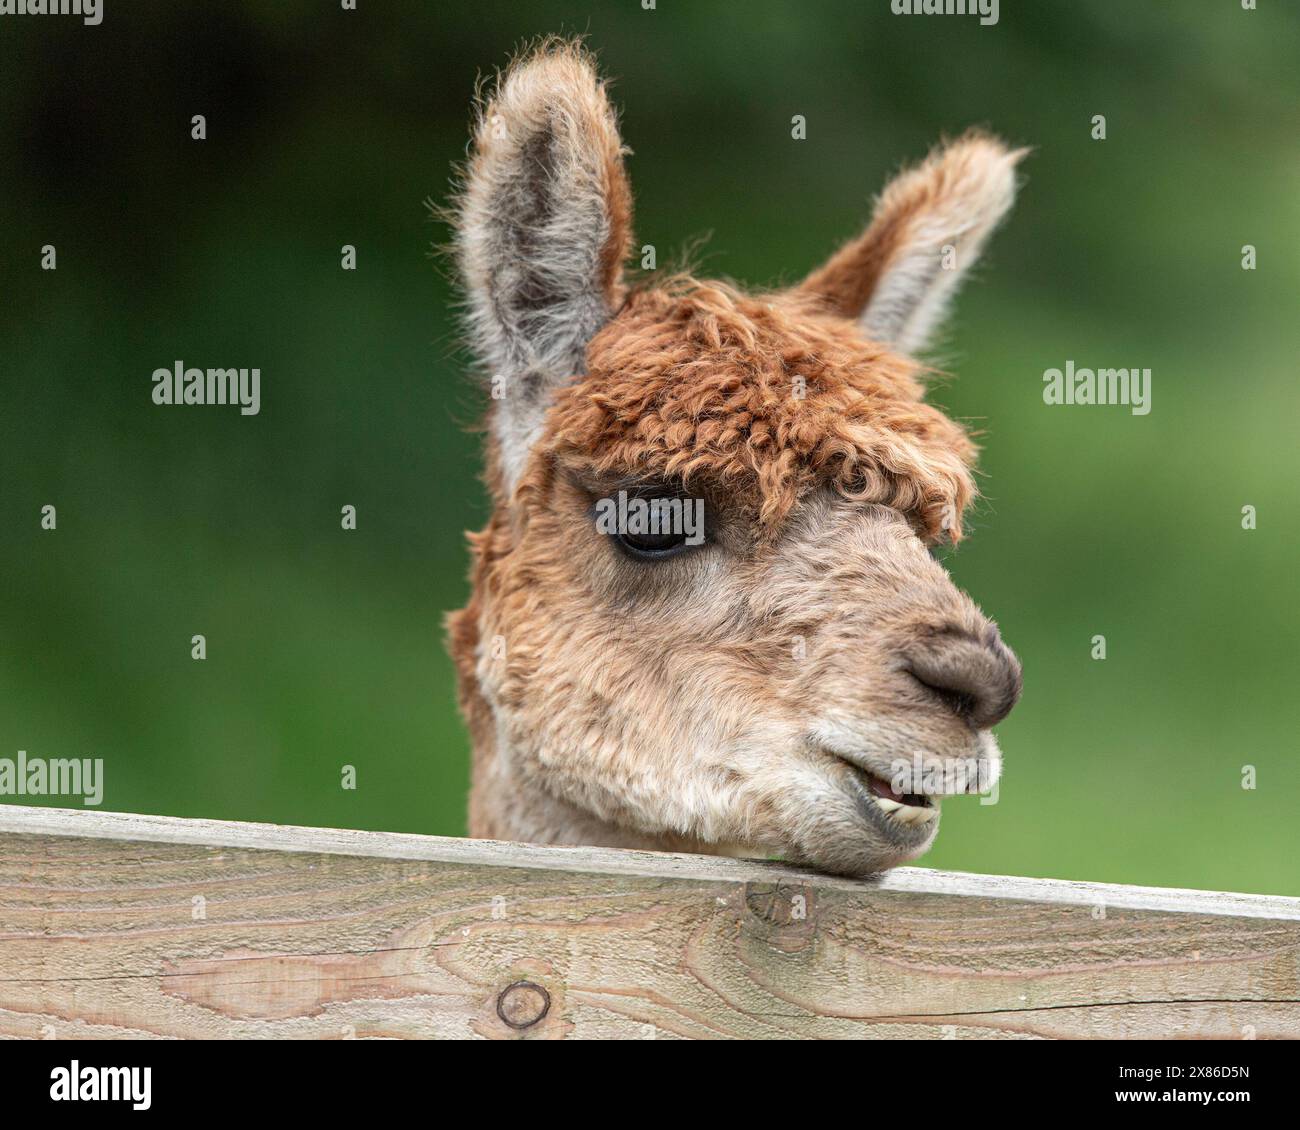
(114, 925)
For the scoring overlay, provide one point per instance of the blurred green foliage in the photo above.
(328, 127)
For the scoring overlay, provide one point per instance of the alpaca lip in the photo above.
(910, 817)
(883, 790)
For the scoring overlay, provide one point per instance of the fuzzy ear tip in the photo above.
(982, 141)
(552, 63)
(980, 166)
(992, 151)
(548, 80)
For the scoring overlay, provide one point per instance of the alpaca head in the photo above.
(705, 610)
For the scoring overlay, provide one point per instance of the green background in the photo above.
(329, 127)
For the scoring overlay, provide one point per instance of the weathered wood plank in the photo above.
(120, 925)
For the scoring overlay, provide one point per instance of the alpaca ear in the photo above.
(929, 226)
(543, 224)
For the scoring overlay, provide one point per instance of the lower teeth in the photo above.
(906, 813)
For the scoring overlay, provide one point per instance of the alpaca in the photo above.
(772, 686)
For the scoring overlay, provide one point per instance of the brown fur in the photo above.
(697, 381)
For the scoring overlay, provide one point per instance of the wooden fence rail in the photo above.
(114, 925)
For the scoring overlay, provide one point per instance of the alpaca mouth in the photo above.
(903, 813)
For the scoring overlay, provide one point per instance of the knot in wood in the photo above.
(778, 904)
(523, 1003)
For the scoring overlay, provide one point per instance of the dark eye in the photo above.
(653, 545)
(653, 523)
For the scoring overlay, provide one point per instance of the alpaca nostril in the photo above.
(978, 680)
(959, 701)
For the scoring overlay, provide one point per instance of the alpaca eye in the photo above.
(653, 545)
(652, 523)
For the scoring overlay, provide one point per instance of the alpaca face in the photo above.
(752, 694)
(785, 668)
